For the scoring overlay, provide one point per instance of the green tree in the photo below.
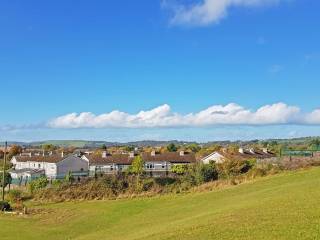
(137, 166)
(48, 147)
(194, 147)
(103, 147)
(314, 144)
(7, 179)
(129, 148)
(172, 147)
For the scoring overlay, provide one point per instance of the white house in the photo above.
(54, 166)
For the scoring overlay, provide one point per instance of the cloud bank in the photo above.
(164, 117)
(209, 11)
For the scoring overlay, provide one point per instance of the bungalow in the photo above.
(154, 163)
(55, 166)
(108, 163)
(161, 163)
(221, 156)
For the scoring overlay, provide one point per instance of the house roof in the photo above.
(110, 159)
(48, 159)
(243, 156)
(173, 157)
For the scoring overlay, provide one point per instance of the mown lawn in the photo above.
(285, 206)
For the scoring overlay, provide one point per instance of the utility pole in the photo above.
(4, 170)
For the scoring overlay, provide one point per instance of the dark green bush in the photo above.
(147, 184)
(164, 181)
(4, 206)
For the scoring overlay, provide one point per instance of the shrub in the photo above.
(147, 184)
(230, 168)
(117, 183)
(256, 172)
(206, 173)
(179, 169)
(15, 196)
(38, 184)
(164, 181)
(69, 177)
(4, 206)
(7, 179)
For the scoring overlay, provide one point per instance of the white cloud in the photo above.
(209, 11)
(313, 117)
(163, 117)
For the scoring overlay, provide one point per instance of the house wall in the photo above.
(71, 164)
(157, 166)
(49, 168)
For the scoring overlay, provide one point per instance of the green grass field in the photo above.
(285, 206)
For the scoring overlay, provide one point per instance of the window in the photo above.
(150, 166)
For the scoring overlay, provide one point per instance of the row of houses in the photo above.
(57, 166)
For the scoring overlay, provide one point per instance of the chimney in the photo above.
(62, 154)
(43, 153)
(181, 153)
(30, 154)
(265, 150)
(131, 154)
(104, 154)
(153, 153)
(241, 150)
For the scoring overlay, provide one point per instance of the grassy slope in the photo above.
(279, 207)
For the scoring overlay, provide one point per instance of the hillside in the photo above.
(95, 144)
(285, 206)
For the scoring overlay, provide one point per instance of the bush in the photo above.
(179, 169)
(205, 173)
(198, 174)
(256, 172)
(4, 206)
(38, 184)
(15, 196)
(164, 181)
(7, 179)
(231, 168)
(147, 184)
(117, 183)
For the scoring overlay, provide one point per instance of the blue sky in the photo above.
(63, 57)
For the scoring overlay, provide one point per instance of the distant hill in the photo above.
(151, 143)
